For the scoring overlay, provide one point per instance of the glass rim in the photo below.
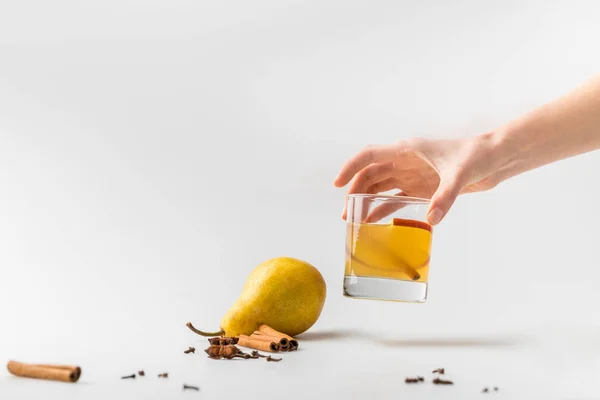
(391, 198)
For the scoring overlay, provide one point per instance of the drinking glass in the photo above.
(388, 246)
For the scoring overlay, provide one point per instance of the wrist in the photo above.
(502, 153)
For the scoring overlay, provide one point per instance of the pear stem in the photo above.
(201, 333)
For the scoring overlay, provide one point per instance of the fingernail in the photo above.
(435, 216)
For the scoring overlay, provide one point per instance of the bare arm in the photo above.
(441, 169)
(560, 129)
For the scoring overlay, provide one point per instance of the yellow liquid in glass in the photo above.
(399, 250)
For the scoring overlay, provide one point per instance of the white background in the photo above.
(152, 153)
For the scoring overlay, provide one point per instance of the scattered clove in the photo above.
(222, 351)
(438, 381)
(256, 354)
(185, 387)
(420, 378)
(440, 371)
(132, 376)
(190, 350)
(485, 390)
(163, 375)
(495, 388)
(411, 380)
(269, 358)
(222, 341)
(246, 355)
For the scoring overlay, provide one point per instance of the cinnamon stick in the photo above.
(63, 373)
(293, 345)
(267, 338)
(285, 348)
(267, 330)
(256, 344)
(284, 344)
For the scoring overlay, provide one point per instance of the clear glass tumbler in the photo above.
(388, 246)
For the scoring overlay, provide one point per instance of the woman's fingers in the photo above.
(444, 197)
(366, 178)
(384, 186)
(385, 209)
(369, 155)
(371, 175)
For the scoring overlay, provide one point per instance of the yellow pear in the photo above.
(284, 293)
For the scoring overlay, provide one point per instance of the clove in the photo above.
(163, 375)
(438, 381)
(132, 376)
(495, 388)
(485, 390)
(190, 350)
(411, 380)
(185, 387)
(222, 341)
(246, 355)
(440, 371)
(219, 351)
(420, 378)
(269, 358)
(256, 354)
(141, 373)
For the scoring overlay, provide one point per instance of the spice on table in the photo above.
(141, 373)
(186, 387)
(132, 376)
(420, 378)
(257, 354)
(439, 381)
(247, 355)
(223, 340)
(267, 330)
(495, 388)
(440, 371)
(220, 351)
(269, 358)
(63, 373)
(190, 350)
(163, 375)
(256, 344)
(485, 390)
(411, 380)
(284, 343)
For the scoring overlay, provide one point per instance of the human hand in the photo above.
(436, 169)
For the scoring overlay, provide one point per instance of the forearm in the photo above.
(561, 129)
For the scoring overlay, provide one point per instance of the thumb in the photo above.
(443, 199)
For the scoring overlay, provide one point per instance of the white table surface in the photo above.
(344, 363)
(153, 153)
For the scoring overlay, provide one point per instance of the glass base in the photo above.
(358, 287)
